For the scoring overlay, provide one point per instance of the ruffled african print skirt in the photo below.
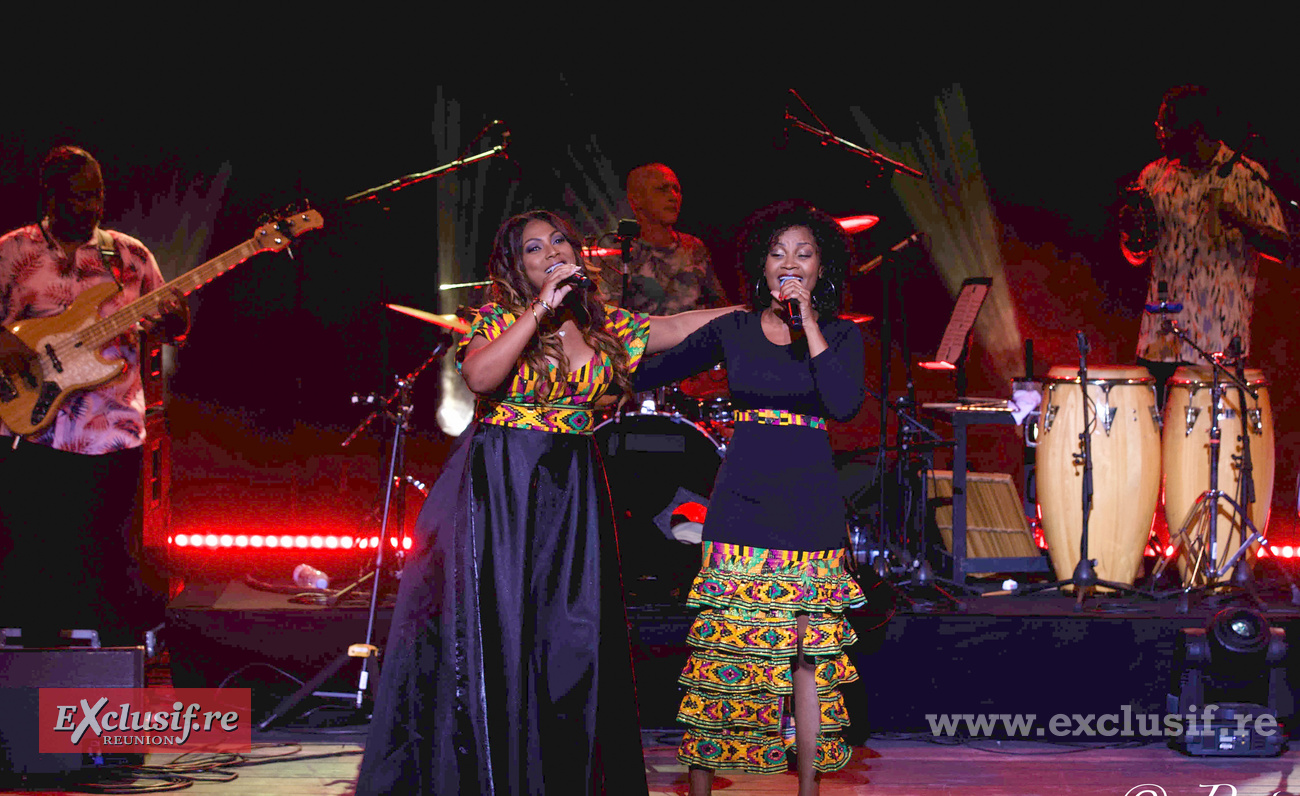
(739, 675)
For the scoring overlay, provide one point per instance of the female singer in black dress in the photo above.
(507, 669)
(773, 587)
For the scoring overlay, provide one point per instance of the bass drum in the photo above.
(650, 459)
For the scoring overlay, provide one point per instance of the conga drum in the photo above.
(1124, 425)
(1186, 453)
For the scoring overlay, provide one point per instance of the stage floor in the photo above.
(987, 655)
(882, 766)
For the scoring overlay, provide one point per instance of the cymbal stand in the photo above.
(915, 442)
(398, 408)
(1084, 578)
(1205, 573)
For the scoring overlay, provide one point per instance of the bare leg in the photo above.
(701, 781)
(807, 716)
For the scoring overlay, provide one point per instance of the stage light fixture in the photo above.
(1228, 688)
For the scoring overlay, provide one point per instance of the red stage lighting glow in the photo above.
(852, 224)
(318, 542)
(406, 543)
(210, 540)
(1288, 551)
(180, 541)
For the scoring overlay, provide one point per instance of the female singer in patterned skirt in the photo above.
(507, 669)
(768, 644)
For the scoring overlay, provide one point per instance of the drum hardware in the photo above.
(1157, 418)
(1050, 417)
(654, 462)
(1202, 553)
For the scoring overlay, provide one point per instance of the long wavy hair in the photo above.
(512, 290)
(834, 250)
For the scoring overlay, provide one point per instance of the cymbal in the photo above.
(707, 385)
(857, 317)
(446, 321)
(852, 224)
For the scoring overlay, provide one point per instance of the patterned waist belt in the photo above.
(778, 417)
(538, 417)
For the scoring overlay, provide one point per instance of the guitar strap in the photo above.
(109, 255)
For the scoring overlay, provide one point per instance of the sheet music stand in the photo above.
(953, 347)
(966, 412)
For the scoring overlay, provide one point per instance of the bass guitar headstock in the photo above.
(278, 232)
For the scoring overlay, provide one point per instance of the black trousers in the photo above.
(65, 544)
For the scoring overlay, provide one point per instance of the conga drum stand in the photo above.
(1204, 572)
(1084, 578)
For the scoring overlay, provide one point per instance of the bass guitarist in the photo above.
(68, 489)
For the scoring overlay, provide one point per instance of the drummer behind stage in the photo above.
(670, 271)
(1213, 214)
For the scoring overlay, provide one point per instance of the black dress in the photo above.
(774, 541)
(508, 668)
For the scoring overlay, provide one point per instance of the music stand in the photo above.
(914, 443)
(954, 346)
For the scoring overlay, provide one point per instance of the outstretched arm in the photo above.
(667, 331)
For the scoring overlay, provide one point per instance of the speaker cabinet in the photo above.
(23, 672)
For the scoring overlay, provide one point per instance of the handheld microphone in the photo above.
(791, 305)
(578, 280)
(1163, 305)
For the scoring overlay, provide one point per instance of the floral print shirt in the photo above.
(1212, 277)
(37, 280)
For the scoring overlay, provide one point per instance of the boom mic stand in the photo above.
(1084, 578)
(1205, 573)
(398, 408)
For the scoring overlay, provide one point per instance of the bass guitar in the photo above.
(69, 346)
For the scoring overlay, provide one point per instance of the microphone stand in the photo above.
(372, 194)
(895, 530)
(398, 408)
(885, 165)
(1084, 578)
(1205, 572)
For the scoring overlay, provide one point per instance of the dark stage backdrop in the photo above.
(259, 397)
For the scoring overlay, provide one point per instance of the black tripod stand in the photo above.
(904, 522)
(397, 408)
(1084, 577)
